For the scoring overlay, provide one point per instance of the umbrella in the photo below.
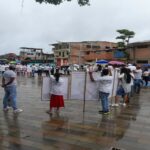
(102, 62)
(12, 62)
(146, 65)
(116, 63)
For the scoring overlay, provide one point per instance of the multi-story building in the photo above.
(66, 53)
(139, 52)
(35, 55)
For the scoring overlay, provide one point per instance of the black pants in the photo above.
(146, 78)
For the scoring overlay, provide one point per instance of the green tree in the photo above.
(125, 36)
(57, 2)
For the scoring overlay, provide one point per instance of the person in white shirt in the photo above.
(132, 69)
(9, 84)
(115, 74)
(146, 76)
(126, 78)
(105, 87)
(56, 99)
(137, 79)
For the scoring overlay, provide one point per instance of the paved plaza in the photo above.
(126, 128)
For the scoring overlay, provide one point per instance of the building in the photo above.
(67, 53)
(9, 56)
(35, 55)
(139, 52)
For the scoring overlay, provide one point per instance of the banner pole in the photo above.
(113, 85)
(69, 86)
(84, 91)
(42, 90)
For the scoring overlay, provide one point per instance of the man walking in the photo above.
(9, 84)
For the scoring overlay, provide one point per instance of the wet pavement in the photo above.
(126, 128)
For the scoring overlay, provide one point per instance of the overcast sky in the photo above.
(38, 25)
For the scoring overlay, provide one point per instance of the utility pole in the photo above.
(69, 56)
(79, 62)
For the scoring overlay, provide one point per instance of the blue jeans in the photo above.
(10, 94)
(104, 101)
(137, 85)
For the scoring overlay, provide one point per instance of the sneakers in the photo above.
(115, 105)
(49, 112)
(18, 110)
(124, 104)
(104, 112)
(100, 112)
(5, 109)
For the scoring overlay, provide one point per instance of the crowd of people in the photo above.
(32, 69)
(119, 81)
(113, 81)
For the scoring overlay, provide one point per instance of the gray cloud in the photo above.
(37, 25)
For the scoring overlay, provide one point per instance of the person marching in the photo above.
(56, 98)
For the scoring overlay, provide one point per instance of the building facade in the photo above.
(139, 52)
(67, 53)
(35, 55)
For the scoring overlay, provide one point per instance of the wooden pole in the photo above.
(113, 85)
(84, 91)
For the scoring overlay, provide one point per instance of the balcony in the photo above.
(103, 55)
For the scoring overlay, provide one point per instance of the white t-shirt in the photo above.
(146, 73)
(126, 86)
(2, 67)
(138, 74)
(105, 83)
(8, 74)
(56, 87)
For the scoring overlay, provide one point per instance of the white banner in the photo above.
(46, 89)
(77, 85)
(91, 88)
(46, 86)
(79, 88)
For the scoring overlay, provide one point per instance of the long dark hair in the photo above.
(57, 75)
(128, 78)
(105, 72)
(127, 75)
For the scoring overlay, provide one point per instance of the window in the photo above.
(142, 61)
(88, 46)
(142, 46)
(63, 54)
(95, 46)
(59, 47)
(67, 53)
(29, 53)
(107, 47)
(59, 53)
(109, 50)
